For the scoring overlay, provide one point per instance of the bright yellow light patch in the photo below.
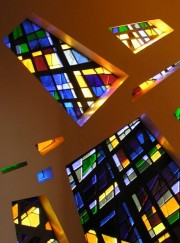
(47, 146)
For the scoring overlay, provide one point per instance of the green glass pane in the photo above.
(24, 48)
(32, 37)
(84, 218)
(139, 163)
(17, 32)
(177, 114)
(144, 24)
(56, 95)
(173, 218)
(123, 28)
(94, 210)
(13, 167)
(153, 151)
(87, 163)
(41, 34)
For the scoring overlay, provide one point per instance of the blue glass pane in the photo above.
(47, 83)
(34, 45)
(60, 79)
(66, 94)
(79, 57)
(44, 42)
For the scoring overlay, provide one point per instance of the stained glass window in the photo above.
(137, 36)
(127, 188)
(72, 79)
(152, 82)
(31, 221)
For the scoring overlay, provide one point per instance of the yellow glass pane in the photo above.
(86, 92)
(101, 197)
(146, 222)
(158, 146)
(15, 211)
(16, 221)
(91, 238)
(37, 53)
(155, 156)
(109, 239)
(125, 163)
(29, 65)
(34, 219)
(146, 85)
(81, 81)
(53, 61)
(150, 32)
(114, 143)
(158, 228)
(164, 237)
(109, 190)
(112, 138)
(99, 70)
(25, 221)
(88, 71)
(170, 207)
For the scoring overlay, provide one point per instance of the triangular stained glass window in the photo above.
(138, 36)
(79, 84)
(32, 222)
(155, 80)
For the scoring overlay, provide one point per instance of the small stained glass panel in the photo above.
(137, 36)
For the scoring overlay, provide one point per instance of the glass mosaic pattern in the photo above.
(75, 81)
(127, 188)
(152, 82)
(139, 35)
(31, 222)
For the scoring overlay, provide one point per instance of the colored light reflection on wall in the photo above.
(177, 114)
(127, 188)
(138, 36)
(45, 175)
(152, 82)
(74, 80)
(16, 166)
(46, 146)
